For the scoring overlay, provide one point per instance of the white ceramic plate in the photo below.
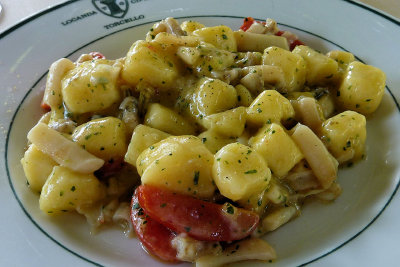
(359, 229)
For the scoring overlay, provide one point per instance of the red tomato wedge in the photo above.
(155, 237)
(199, 219)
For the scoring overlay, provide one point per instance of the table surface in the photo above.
(16, 10)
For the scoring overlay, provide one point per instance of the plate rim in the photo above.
(28, 19)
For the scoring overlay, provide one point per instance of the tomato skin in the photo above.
(247, 22)
(295, 43)
(97, 55)
(110, 168)
(199, 219)
(45, 106)
(292, 43)
(155, 237)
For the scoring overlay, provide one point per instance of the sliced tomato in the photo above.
(155, 237)
(97, 55)
(197, 218)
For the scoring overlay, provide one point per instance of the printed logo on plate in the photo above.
(112, 8)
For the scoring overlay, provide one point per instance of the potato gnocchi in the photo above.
(251, 118)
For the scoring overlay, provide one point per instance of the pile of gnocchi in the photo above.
(201, 139)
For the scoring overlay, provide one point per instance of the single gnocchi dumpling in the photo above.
(189, 26)
(229, 123)
(66, 190)
(244, 96)
(362, 88)
(167, 120)
(343, 59)
(212, 96)
(321, 70)
(277, 147)
(91, 86)
(104, 138)
(148, 62)
(269, 106)
(293, 67)
(344, 135)
(240, 172)
(37, 167)
(143, 136)
(219, 36)
(214, 141)
(181, 164)
(206, 59)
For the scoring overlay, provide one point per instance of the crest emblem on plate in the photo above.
(112, 8)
